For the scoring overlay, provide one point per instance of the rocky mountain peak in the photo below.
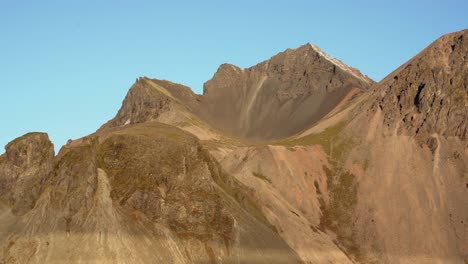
(305, 82)
(145, 101)
(290, 63)
(310, 54)
(226, 73)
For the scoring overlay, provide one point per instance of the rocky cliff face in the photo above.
(429, 94)
(24, 168)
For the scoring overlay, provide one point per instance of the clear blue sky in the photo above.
(65, 66)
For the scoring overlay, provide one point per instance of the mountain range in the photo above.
(298, 159)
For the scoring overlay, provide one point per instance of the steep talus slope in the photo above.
(397, 179)
(415, 178)
(296, 86)
(141, 194)
(411, 200)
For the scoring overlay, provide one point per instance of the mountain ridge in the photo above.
(304, 83)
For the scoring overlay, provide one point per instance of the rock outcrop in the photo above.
(24, 168)
(429, 93)
(145, 101)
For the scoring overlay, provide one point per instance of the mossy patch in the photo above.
(159, 88)
(325, 139)
(156, 130)
(342, 188)
(214, 144)
(338, 215)
(365, 164)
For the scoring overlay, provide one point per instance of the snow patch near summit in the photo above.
(338, 63)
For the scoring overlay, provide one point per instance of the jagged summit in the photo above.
(309, 51)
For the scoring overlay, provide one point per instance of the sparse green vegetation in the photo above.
(156, 130)
(339, 213)
(159, 88)
(341, 184)
(330, 139)
(190, 119)
(213, 144)
(324, 138)
(224, 142)
(365, 164)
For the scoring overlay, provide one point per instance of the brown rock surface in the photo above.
(429, 93)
